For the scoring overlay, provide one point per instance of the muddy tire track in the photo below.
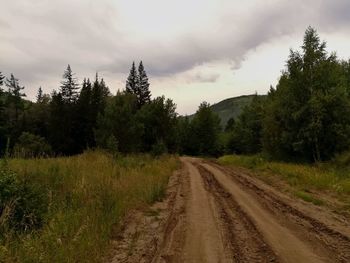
(216, 214)
(307, 227)
(246, 242)
(155, 238)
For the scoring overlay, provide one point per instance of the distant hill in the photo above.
(231, 107)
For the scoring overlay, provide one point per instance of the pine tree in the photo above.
(99, 94)
(69, 87)
(39, 96)
(83, 133)
(132, 81)
(58, 136)
(15, 95)
(144, 94)
(1, 80)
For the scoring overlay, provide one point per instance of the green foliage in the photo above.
(23, 205)
(30, 145)
(230, 125)
(112, 144)
(137, 129)
(159, 148)
(1, 80)
(88, 195)
(329, 177)
(203, 132)
(158, 119)
(69, 86)
(245, 135)
(132, 80)
(308, 198)
(231, 108)
(308, 115)
(119, 121)
(138, 85)
(144, 95)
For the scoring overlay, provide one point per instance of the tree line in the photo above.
(306, 117)
(86, 115)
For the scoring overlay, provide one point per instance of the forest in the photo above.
(306, 117)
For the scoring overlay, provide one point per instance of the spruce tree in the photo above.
(99, 94)
(69, 87)
(132, 81)
(15, 95)
(1, 80)
(144, 94)
(39, 96)
(58, 136)
(84, 121)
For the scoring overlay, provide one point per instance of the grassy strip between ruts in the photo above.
(305, 180)
(87, 195)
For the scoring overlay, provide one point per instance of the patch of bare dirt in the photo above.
(216, 214)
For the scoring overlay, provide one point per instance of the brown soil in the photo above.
(216, 214)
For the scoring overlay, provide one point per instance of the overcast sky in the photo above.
(193, 50)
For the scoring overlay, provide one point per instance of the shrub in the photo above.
(22, 205)
(159, 148)
(30, 145)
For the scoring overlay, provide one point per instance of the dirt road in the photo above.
(216, 214)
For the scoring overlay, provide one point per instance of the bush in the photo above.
(22, 205)
(30, 145)
(159, 148)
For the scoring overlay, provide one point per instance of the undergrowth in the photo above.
(80, 198)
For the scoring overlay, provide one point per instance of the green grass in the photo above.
(330, 178)
(308, 198)
(88, 195)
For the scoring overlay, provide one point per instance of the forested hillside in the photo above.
(231, 108)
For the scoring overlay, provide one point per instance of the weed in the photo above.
(87, 195)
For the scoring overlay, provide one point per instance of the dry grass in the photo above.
(88, 194)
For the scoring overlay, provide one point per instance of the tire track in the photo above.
(246, 242)
(287, 246)
(215, 214)
(311, 229)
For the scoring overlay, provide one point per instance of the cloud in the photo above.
(38, 38)
(202, 77)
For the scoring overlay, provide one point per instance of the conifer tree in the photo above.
(1, 80)
(15, 95)
(84, 123)
(132, 81)
(144, 94)
(69, 87)
(58, 136)
(99, 94)
(39, 96)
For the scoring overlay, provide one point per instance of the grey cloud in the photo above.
(39, 37)
(205, 77)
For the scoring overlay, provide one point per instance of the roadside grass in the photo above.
(87, 196)
(332, 178)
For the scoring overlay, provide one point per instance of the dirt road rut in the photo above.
(216, 214)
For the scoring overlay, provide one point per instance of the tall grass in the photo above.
(87, 195)
(332, 177)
